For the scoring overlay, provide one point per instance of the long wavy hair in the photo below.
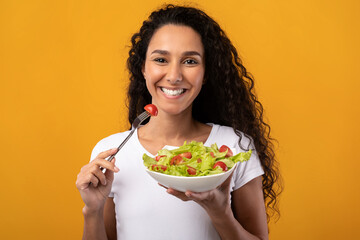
(227, 97)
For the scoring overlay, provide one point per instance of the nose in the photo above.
(174, 74)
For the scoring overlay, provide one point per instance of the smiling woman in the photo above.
(178, 60)
(174, 68)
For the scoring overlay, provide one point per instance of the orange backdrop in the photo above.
(63, 81)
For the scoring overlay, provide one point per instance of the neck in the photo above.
(171, 129)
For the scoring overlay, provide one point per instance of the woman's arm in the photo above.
(245, 218)
(110, 219)
(249, 208)
(94, 187)
(94, 226)
(100, 224)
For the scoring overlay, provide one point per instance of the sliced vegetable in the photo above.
(158, 167)
(176, 160)
(186, 155)
(157, 158)
(152, 109)
(222, 165)
(191, 170)
(226, 149)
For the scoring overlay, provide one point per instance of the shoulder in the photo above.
(107, 143)
(228, 136)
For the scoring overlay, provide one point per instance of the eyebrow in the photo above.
(187, 53)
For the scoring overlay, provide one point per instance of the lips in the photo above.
(173, 92)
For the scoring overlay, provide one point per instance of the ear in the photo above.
(143, 70)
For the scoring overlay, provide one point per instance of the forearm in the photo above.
(94, 227)
(229, 228)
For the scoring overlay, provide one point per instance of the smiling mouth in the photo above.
(171, 92)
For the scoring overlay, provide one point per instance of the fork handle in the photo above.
(121, 145)
(118, 148)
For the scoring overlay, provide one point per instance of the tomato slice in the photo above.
(191, 170)
(223, 148)
(221, 164)
(157, 158)
(152, 109)
(156, 167)
(176, 160)
(212, 154)
(186, 155)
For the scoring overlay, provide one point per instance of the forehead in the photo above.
(175, 38)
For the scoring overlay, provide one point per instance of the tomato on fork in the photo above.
(152, 109)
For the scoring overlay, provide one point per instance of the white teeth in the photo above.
(170, 92)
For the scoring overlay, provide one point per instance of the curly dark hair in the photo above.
(227, 97)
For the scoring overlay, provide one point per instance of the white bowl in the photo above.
(194, 184)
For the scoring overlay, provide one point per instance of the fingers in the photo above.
(92, 172)
(101, 161)
(178, 194)
(89, 176)
(107, 153)
(97, 173)
(199, 196)
(110, 174)
(225, 186)
(163, 186)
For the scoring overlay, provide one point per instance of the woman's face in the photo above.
(174, 68)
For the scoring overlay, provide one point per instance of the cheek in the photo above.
(198, 77)
(153, 74)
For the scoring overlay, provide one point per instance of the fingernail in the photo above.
(188, 194)
(116, 169)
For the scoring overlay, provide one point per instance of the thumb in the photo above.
(225, 186)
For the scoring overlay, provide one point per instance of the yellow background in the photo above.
(63, 79)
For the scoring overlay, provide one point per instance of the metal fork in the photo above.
(138, 120)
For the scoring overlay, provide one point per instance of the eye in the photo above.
(190, 61)
(160, 60)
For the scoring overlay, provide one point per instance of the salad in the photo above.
(194, 159)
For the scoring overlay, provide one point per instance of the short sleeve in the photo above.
(247, 171)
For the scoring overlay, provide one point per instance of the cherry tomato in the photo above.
(191, 170)
(212, 154)
(152, 109)
(159, 167)
(176, 160)
(220, 164)
(157, 158)
(186, 155)
(223, 148)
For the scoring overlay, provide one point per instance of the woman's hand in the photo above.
(216, 202)
(94, 185)
(248, 221)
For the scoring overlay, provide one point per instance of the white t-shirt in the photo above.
(144, 210)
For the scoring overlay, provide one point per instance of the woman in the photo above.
(182, 62)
